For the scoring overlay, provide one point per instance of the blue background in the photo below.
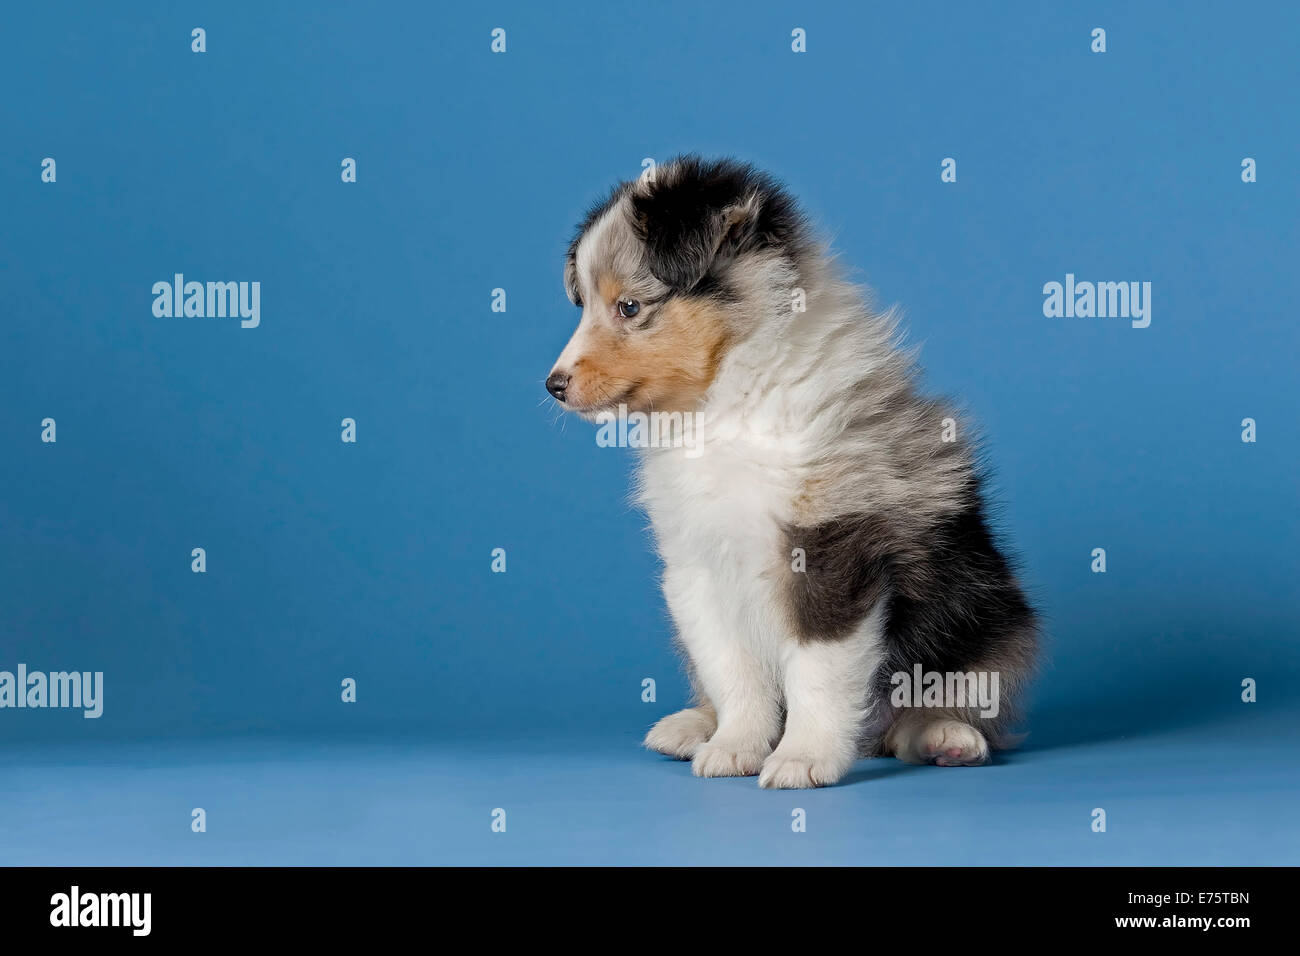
(521, 690)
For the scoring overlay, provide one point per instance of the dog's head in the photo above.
(662, 271)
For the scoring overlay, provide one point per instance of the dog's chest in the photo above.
(724, 508)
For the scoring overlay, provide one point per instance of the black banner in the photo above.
(339, 905)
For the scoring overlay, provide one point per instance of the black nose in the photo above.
(557, 383)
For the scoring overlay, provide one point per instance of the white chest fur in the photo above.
(718, 520)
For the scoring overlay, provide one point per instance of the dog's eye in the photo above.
(628, 308)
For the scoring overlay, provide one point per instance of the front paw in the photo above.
(681, 734)
(800, 771)
(728, 759)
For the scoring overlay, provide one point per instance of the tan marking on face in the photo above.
(667, 366)
(609, 289)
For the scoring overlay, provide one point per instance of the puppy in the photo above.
(824, 539)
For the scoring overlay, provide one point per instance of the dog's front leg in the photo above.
(748, 708)
(828, 688)
(732, 675)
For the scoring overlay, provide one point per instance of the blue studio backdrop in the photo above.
(401, 182)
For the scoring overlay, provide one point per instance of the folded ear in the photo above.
(695, 218)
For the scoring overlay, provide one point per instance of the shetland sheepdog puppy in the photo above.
(824, 540)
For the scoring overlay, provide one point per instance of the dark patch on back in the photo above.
(953, 600)
(848, 564)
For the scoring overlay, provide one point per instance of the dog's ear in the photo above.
(696, 217)
(571, 279)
